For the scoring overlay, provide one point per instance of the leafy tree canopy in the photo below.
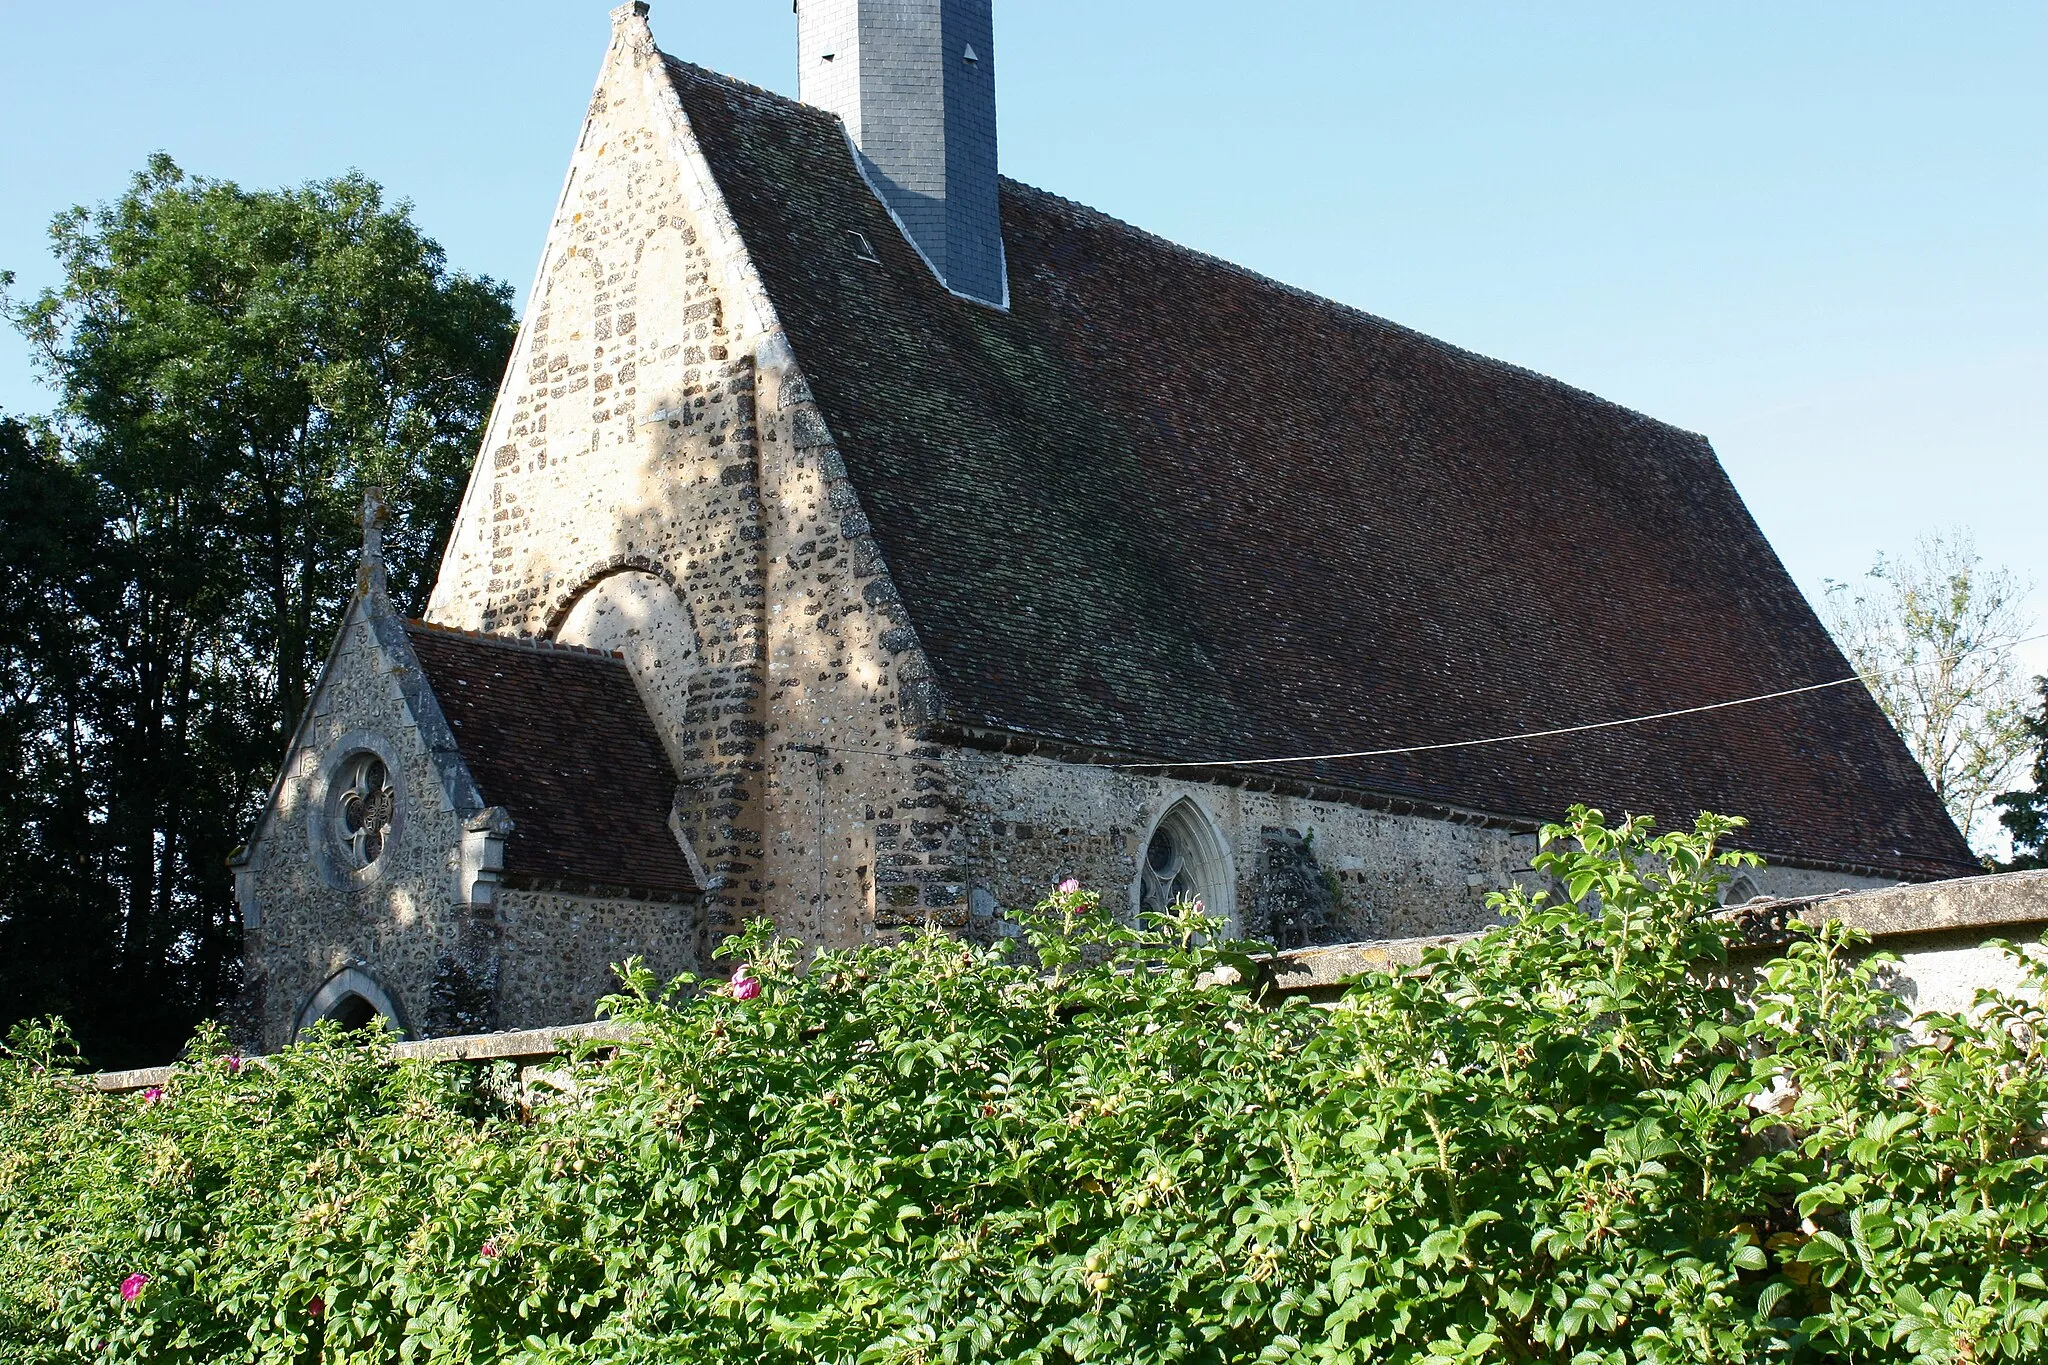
(1934, 635)
(1571, 1140)
(232, 368)
(2025, 813)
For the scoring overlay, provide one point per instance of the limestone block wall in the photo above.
(304, 921)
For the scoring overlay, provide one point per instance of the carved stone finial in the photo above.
(636, 10)
(376, 512)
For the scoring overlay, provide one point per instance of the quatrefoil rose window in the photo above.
(364, 807)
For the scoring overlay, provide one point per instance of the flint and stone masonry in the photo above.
(432, 932)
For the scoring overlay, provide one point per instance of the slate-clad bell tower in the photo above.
(915, 83)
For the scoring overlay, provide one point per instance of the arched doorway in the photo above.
(354, 1000)
(353, 1012)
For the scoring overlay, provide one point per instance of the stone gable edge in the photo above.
(775, 360)
(371, 607)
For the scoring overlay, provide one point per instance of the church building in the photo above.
(863, 540)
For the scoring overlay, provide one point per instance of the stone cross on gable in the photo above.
(370, 570)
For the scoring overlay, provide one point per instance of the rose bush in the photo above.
(1584, 1137)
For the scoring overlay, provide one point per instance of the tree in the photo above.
(2026, 812)
(57, 918)
(1933, 636)
(233, 368)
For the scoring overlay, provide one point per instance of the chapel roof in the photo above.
(1166, 508)
(561, 739)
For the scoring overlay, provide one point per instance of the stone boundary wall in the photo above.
(1936, 929)
(525, 1046)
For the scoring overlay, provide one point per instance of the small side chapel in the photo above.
(863, 539)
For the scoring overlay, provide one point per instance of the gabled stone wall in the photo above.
(430, 927)
(304, 919)
(654, 423)
(624, 443)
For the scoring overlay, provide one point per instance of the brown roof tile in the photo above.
(561, 739)
(1168, 508)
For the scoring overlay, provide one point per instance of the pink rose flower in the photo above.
(234, 1063)
(317, 1308)
(744, 987)
(153, 1095)
(131, 1288)
(490, 1249)
(1070, 886)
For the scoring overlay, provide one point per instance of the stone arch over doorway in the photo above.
(634, 608)
(353, 999)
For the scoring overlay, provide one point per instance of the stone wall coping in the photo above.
(1988, 904)
(524, 1045)
(1991, 902)
(1321, 968)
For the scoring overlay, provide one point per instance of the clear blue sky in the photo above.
(1817, 232)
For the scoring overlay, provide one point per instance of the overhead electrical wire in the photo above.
(1541, 734)
(1517, 737)
(1499, 739)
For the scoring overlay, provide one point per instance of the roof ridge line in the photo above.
(532, 644)
(1449, 348)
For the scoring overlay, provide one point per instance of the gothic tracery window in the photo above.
(364, 806)
(1167, 875)
(1185, 860)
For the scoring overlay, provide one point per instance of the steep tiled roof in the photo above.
(1167, 508)
(561, 739)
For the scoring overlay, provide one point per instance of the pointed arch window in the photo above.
(1741, 891)
(1185, 858)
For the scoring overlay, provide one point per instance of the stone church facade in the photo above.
(862, 541)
